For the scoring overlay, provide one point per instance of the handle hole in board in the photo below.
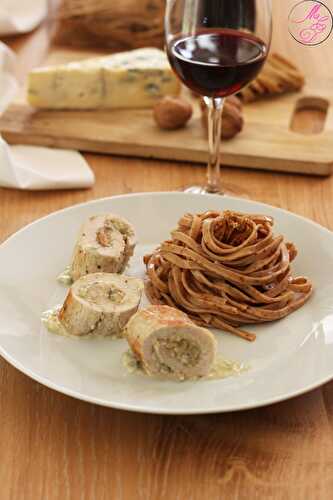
(309, 115)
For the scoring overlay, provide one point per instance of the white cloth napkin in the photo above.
(36, 168)
(21, 16)
(8, 83)
(30, 167)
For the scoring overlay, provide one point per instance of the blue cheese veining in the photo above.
(134, 79)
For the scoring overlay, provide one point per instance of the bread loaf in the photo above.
(124, 24)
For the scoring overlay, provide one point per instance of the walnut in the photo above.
(232, 121)
(172, 113)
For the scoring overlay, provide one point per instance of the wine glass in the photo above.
(217, 47)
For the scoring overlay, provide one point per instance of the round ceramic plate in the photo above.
(289, 357)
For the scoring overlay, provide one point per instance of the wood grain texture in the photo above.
(53, 447)
(267, 141)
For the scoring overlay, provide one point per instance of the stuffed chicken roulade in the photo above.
(105, 244)
(168, 344)
(100, 304)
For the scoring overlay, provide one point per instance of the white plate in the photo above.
(290, 356)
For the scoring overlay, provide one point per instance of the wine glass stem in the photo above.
(215, 109)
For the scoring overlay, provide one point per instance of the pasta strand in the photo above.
(225, 270)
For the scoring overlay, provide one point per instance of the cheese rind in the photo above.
(135, 79)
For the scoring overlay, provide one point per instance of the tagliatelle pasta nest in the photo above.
(225, 270)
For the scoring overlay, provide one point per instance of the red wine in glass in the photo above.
(217, 47)
(217, 63)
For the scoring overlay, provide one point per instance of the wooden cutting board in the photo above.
(267, 142)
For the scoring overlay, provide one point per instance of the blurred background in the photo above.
(123, 24)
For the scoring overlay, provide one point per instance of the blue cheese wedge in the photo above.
(135, 79)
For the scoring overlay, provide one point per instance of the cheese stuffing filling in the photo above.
(101, 293)
(182, 350)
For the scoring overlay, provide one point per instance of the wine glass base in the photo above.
(228, 190)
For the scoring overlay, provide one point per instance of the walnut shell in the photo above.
(232, 118)
(171, 113)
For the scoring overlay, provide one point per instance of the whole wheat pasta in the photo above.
(226, 269)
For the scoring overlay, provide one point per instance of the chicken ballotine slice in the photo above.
(168, 344)
(100, 304)
(105, 244)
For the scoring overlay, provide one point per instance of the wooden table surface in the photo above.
(55, 447)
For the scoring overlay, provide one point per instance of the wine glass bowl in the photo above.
(217, 47)
(218, 63)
